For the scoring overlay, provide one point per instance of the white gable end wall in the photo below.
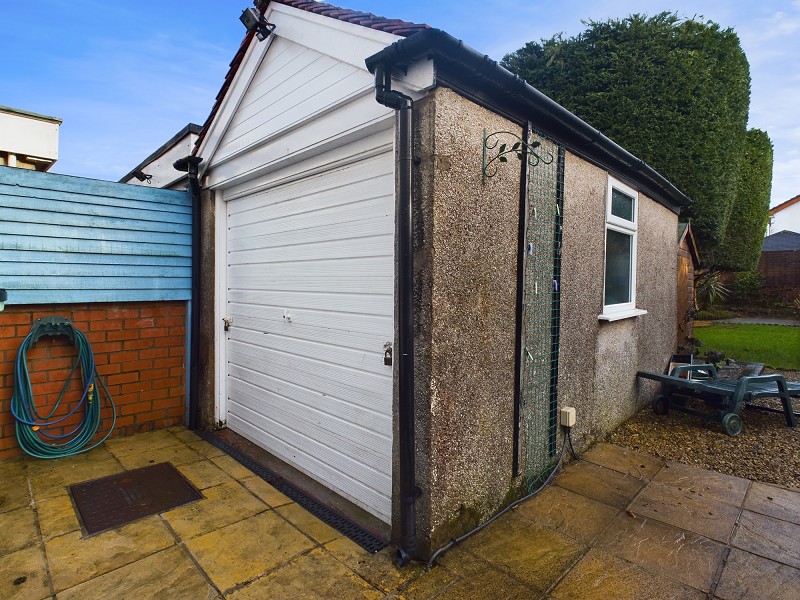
(787, 219)
(301, 92)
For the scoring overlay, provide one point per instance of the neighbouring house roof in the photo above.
(686, 233)
(781, 241)
(482, 80)
(191, 128)
(365, 19)
(27, 113)
(784, 205)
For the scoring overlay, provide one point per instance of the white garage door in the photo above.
(310, 283)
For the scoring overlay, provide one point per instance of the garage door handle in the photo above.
(227, 321)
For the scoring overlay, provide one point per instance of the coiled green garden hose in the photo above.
(32, 426)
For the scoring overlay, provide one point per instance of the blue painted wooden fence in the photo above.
(71, 239)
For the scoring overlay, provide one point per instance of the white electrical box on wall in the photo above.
(567, 417)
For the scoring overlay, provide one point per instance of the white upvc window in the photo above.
(619, 289)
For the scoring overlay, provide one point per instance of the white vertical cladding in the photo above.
(310, 278)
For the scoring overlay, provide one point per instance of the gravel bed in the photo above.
(766, 450)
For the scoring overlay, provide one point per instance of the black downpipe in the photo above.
(405, 246)
(189, 165)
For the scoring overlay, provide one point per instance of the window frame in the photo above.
(623, 310)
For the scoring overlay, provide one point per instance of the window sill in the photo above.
(623, 314)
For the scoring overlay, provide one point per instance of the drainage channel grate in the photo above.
(359, 535)
(116, 500)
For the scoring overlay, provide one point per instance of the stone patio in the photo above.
(617, 524)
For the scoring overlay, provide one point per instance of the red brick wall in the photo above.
(139, 348)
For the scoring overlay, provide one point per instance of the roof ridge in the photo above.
(783, 205)
(357, 17)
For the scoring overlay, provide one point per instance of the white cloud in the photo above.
(785, 179)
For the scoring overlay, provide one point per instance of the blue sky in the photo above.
(126, 76)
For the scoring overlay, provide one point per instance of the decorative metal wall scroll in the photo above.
(497, 147)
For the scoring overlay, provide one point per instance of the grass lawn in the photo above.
(777, 346)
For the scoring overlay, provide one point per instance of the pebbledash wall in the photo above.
(113, 258)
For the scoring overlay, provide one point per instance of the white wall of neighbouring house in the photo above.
(28, 140)
(787, 219)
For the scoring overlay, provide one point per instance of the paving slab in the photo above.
(222, 505)
(477, 578)
(310, 525)
(57, 516)
(769, 537)
(177, 454)
(310, 576)
(747, 576)
(51, 477)
(166, 575)
(377, 569)
(74, 559)
(17, 530)
(206, 449)
(265, 491)
(235, 554)
(704, 483)
(630, 462)
(493, 583)
(530, 552)
(14, 492)
(602, 575)
(686, 510)
(599, 483)
(429, 585)
(136, 444)
(23, 575)
(660, 548)
(774, 501)
(203, 474)
(567, 512)
(231, 467)
(185, 435)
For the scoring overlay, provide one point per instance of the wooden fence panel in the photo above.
(70, 239)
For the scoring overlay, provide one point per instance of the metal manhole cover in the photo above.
(116, 500)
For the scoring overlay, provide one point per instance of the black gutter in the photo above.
(189, 165)
(405, 290)
(484, 80)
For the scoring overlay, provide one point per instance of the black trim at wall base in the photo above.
(345, 526)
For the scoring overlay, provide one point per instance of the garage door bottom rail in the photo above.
(343, 525)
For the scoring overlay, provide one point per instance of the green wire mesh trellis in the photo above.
(540, 313)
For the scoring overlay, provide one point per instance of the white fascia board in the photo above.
(346, 42)
(254, 54)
